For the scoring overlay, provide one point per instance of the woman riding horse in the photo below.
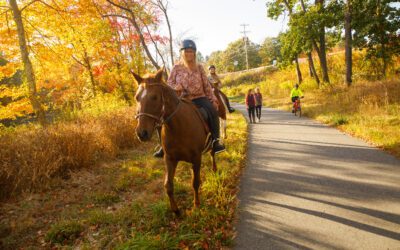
(189, 80)
(184, 135)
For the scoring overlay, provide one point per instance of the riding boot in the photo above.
(217, 147)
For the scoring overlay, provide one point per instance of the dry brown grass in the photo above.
(32, 157)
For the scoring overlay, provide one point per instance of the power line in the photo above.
(245, 43)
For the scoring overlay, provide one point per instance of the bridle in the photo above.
(159, 120)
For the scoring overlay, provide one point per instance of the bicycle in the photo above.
(297, 106)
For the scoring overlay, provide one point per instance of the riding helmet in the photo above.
(188, 44)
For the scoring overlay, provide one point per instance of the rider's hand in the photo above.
(184, 94)
(215, 104)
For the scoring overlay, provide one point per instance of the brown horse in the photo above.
(183, 133)
(222, 111)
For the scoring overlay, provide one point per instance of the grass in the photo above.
(121, 204)
(64, 232)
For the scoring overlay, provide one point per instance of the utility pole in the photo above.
(245, 43)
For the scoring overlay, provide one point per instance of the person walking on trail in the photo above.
(258, 98)
(216, 82)
(189, 80)
(251, 105)
(295, 94)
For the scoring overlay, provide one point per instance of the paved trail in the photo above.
(308, 186)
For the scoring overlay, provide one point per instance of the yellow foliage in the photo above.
(8, 70)
(14, 93)
(16, 109)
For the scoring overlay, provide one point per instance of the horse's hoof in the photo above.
(177, 213)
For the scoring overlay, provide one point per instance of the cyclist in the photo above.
(295, 94)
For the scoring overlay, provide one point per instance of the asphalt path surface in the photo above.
(309, 186)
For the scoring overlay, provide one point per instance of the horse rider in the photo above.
(216, 82)
(189, 80)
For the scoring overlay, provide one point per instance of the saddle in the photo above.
(202, 114)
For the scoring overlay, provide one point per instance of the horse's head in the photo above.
(149, 98)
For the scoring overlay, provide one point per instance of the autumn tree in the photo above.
(75, 52)
(376, 25)
(235, 52)
(270, 50)
(29, 73)
(275, 9)
(136, 14)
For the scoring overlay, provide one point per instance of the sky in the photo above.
(213, 24)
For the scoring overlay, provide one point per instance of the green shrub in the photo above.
(64, 232)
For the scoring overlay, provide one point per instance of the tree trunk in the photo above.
(348, 43)
(310, 71)
(313, 72)
(298, 71)
(381, 30)
(171, 50)
(322, 45)
(28, 68)
(312, 68)
(88, 67)
(164, 10)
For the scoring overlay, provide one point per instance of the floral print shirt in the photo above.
(194, 83)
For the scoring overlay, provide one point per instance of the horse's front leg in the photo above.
(214, 167)
(224, 128)
(169, 183)
(196, 181)
(222, 123)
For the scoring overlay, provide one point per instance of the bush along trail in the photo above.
(121, 204)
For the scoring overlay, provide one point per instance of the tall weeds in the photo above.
(31, 157)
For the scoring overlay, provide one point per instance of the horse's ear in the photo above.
(159, 74)
(138, 79)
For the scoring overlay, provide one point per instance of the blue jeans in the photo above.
(212, 114)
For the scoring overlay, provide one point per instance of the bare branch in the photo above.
(51, 7)
(5, 12)
(29, 4)
(119, 6)
(79, 62)
(154, 42)
(115, 15)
